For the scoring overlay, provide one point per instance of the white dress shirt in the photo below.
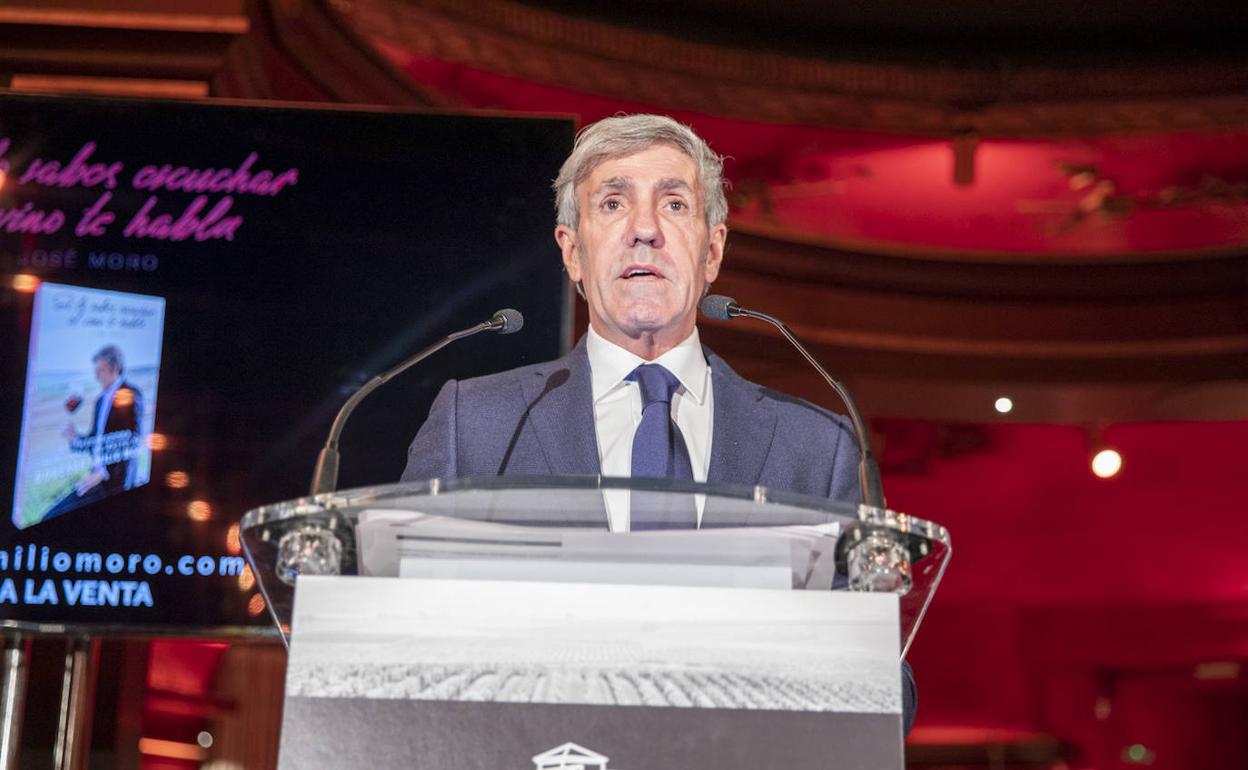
(617, 411)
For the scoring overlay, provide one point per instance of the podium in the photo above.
(498, 622)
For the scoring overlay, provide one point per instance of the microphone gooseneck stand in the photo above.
(325, 478)
(724, 308)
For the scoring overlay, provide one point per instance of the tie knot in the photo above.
(657, 383)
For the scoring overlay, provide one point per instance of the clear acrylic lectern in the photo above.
(522, 629)
(546, 527)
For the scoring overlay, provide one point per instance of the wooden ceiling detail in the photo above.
(135, 45)
(299, 50)
(1171, 321)
(887, 318)
(1156, 278)
(290, 50)
(511, 38)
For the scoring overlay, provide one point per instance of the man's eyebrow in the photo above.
(615, 184)
(670, 183)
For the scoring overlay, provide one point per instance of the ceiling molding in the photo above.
(300, 50)
(513, 39)
(1221, 274)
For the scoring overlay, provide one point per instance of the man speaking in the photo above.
(642, 228)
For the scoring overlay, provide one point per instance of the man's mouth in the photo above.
(634, 272)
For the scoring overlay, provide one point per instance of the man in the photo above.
(114, 437)
(641, 229)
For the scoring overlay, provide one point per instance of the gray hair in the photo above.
(626, 135)
(111, 355)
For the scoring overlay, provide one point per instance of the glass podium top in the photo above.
(558, 528)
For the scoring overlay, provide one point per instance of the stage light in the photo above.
(1107, 463)
(1004, 405)
(1216, 670)
(26, 283)
(1102, 708)
(232, 543)
(123, 398)
(157, 441)
(204, 739)
(256, 605)
(171, 749)
(177, 479)
(1138, 754)
(246, 579)
(199, 510)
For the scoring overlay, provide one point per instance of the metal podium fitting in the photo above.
(73, 732)
(13, 697)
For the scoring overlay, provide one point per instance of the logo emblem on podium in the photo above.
(570, 756)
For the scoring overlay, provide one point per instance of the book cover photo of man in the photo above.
(90, 399)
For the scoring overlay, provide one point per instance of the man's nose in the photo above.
(646, 230)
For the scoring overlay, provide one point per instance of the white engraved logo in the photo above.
(570, 756)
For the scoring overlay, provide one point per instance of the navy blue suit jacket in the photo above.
(538, 420)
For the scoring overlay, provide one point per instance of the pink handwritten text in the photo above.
(163, 227)
(203, 219)
(29, 219)
(50, 173)
(226, 180)
(95, 219)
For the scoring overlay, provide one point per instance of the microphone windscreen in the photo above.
(509, 319)
(718, 306)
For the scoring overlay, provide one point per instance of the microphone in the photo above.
(506, 321)
(325, 477)
(723, 308)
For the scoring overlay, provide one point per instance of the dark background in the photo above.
(402, 227)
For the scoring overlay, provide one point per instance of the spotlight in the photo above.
(1107, 463)
(1221, 669)
(25, 283)
(232, 543)
(199, 510)
(1004, 405)
(1138, 754)
(246, 579)
(255, 605)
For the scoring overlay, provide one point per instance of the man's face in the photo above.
(105, 374)
(642, 250)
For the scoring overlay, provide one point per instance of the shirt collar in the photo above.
(609, 364)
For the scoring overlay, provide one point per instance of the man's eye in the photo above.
(612, 204)
(677, 205)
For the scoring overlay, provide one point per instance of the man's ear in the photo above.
(566, 238)
(715, 251)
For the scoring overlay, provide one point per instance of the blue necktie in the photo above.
(659, 449)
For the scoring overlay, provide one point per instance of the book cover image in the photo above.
(90, 401)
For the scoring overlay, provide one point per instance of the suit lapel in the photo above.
(743, 430)
(561, 410)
